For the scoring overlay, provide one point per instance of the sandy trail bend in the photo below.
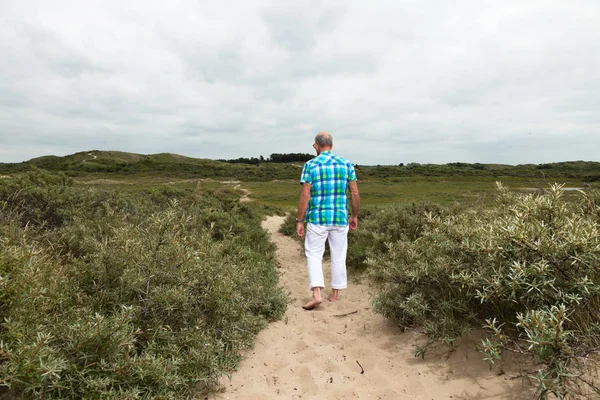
(314, 354)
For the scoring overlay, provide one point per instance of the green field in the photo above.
(374, 191)
(284, 193)
(276, 184)
(442, 190)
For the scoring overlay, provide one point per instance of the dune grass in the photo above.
(439, 190)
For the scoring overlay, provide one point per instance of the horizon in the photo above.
(405, 163)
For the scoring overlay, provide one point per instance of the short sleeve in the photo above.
(306, 176)
(351, 173)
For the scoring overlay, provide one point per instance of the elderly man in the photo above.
(324, 206)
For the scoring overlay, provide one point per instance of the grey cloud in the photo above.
(273, 92)
(11, 97)
(62, 59)
(198, 129)
(224, 64)
(507, 82)
(331, 65)
(289, 30)
(296, 28)
(287, 33)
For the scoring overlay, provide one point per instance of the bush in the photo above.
(38, 198)
(141, 295)
(526, 268)
(380, 225)
(377, 225)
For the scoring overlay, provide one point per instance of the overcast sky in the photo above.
(429, 81)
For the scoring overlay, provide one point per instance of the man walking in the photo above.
(324, 206)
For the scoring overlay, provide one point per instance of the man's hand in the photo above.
(300, 229)
(352, 223)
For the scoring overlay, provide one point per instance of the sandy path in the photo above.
(314, 354)
(245, 194)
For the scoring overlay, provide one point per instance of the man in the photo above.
(324, 206)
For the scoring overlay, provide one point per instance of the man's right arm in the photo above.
(302, 207)
(355, 201)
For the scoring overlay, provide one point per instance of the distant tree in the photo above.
(290, 157)
(242, 160)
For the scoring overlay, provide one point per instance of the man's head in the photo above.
(323, 142)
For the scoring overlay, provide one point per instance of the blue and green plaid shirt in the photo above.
(328, 175)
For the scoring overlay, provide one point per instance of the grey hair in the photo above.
(324, 139)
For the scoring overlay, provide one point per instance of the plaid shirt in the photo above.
(328, 175)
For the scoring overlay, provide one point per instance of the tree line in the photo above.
(274, 158)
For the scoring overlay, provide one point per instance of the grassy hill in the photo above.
(94, 160)
(111, 164)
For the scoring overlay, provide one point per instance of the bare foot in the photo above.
(334, 295)
(312, 304)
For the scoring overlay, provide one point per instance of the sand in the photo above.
(343, 350)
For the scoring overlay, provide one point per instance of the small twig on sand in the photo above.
(362, 370)
(343, 315)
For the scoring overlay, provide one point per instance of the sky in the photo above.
(427, 81)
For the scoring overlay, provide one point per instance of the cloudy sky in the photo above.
(430, 81)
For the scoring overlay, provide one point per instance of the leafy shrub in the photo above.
(288, 227)
(379, 225)
(376, 226)
(38, 198)
(527, 268)
(139, 295)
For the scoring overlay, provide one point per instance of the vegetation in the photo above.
(151, 291)
(290, 157)
(525, 267)
(276, 158)
(118, 165)
(243, 160)
(107, 294)
(285, 166)
(577, 170)
(395, 191)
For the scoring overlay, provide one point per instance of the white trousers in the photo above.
(314, 247)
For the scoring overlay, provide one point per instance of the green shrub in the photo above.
(376, 226)
(139, 295)
(527, 268)
(38, 198)
(380, 225)
(288, 227)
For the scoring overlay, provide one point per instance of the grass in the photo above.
(275, 184)
(440, 190)
(115, 164)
